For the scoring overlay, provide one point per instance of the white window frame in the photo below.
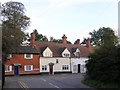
(9, 56)
(25, 68)
(66, 67)
(66, 55)
(44, 67)
(10, 68)
(27, 57)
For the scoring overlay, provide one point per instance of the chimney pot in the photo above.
(64, 39)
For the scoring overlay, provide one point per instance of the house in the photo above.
(24, 61)
(48, 57)
(62, 57)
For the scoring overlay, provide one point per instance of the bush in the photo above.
(104, 64)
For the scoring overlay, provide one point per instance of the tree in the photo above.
(60, 41)
(40, 37)
(14, 21)
(102, 36)
(104, 64)
(14, 13)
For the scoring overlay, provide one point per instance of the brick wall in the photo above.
(19, 58)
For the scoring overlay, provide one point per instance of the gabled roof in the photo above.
(74, 49)
(27, 50)
(58, 48)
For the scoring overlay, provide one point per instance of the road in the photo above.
(46, 81)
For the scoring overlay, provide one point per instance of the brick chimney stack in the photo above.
(77, 41)
(32, 40)
(51, 39)
(88, 45)
(64, 39)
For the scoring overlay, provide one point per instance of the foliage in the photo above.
(104, 64)
(60, 41)
(40, 37)
(43, 38)
(102, 36)
(13, 22)
(98, 84)
(14, 12)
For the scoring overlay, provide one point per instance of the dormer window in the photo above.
(47, 52)
(66, 55)
(77, 53)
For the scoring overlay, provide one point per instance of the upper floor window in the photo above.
(57, 61)
(9, 56)
(28, 67)
(28, 56)
(66, 55)
(48, 55)
(8, 68)
(77, 54)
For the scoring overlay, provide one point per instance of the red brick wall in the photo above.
(19, 58)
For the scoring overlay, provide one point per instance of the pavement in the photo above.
(58, 81)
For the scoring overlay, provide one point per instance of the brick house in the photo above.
(24, 61)
(48, 57)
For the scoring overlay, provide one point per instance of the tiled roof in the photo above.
(27, 50)
(57, 48)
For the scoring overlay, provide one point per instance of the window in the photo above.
(44, 67)
(65, 67)
(8, 68)
(9, 56)
(57, 61)
(66, 55)
(28, 56)
(28, 67)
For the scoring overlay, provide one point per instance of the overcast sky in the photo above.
(75, 18)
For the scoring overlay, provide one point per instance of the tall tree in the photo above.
(104, 64)
(102, 36)
(14, 22)
(40, 37)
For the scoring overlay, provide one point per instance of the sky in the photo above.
(75, 18)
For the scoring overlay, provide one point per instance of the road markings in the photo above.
(54, 85)
(43, 79)
(24, 85)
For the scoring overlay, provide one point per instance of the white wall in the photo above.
(57, 66)
(75, 62)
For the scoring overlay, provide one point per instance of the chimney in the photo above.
(77, 41)
(32, 40)
(64, 39)
(88, 43)
(51, 39)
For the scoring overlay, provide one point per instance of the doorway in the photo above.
(78, 68)
(16, 70)
(51, 69)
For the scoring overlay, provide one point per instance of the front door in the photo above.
(16, 70)
(51, 69)
(78, 68)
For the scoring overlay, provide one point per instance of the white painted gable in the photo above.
(47, 52)
(65, 52)
(77, 50)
